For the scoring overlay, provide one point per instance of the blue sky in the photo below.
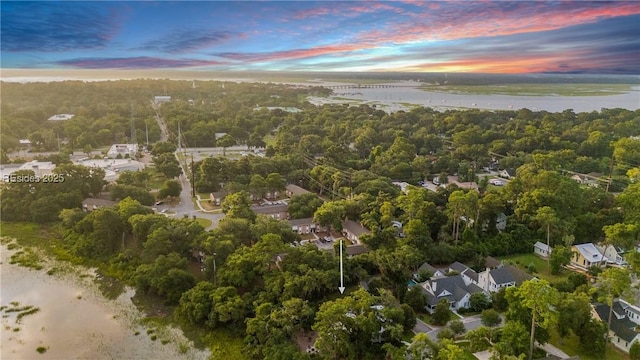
(434, 36)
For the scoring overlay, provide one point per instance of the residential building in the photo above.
(430, 269)
(624, 322)
(295, 190)
(613, 254)
(586, 256)
(590, 179)
(279, 212)
(353, 230)
(217, 197)
(542, 249)
(122, 151)
(492, 280)
(90, 204)
(507, 173)
(303, 226)
(39, 168)
(353, 250)
(161, 99)
(61, 117)
(452, 288)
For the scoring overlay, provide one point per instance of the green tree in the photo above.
(415, 299)
(539, 298)
(457, 327)
(441, 314)
(352, 327)
(560, 256)
(225, 142)
(238, 206)
(547, 218)
(167, 164)
(163, 147)
(257, 186)
(513, 340)
(490, 318)
(330, 215)
(195, 304)
(170, 188)
(634, 351)
(303, 206)
(614, 282)
(479, 301)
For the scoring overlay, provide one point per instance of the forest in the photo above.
(257, 284)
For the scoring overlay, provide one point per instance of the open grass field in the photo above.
(534, 89)
(523, 260)
(205, 223)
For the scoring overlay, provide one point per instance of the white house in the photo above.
(492, 280)
(586, 256)
(451, 288)
(123, 150)
(161, 99)
(61, 117)
(541, 249)
(624, 323)
(613, 254)
(507, 173)
(40, 168)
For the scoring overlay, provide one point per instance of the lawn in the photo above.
(205, 223)
(571, 346)
(523, 260)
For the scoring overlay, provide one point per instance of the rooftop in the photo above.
(589, 252)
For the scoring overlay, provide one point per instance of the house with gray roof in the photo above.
(353, 230)
(278, 212)
(452, 288)
(430, 269)
(492, 280)
(542, 249)
(623, 329)
(90, 204)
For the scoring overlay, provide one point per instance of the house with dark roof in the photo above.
(90, 204)
(468, 274)
(354, 250)
(454, 289)
(353, 230)
(434, 272)
(492, 280)
(541, 249)
(624, 329)
(586, 256)
(279, 212)
(507, 173)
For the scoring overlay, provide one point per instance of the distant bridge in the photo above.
(360, 86)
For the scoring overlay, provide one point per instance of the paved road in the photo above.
(421, 327)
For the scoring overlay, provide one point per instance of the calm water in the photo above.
(75, 321)
(393, 99)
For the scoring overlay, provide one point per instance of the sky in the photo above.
(393, 36)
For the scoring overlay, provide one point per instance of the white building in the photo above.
(161, 99)
(541, 249)
(613, 254)
(112, 167)
(39, 167)
(61, 117)
(123, 150)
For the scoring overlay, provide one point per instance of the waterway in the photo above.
(406, 97)
(75, 321)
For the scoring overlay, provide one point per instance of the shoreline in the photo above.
(76, 320)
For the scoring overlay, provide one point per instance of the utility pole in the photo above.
(193, 178)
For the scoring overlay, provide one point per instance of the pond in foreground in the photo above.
(75, 321)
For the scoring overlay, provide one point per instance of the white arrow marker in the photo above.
(341, 288)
